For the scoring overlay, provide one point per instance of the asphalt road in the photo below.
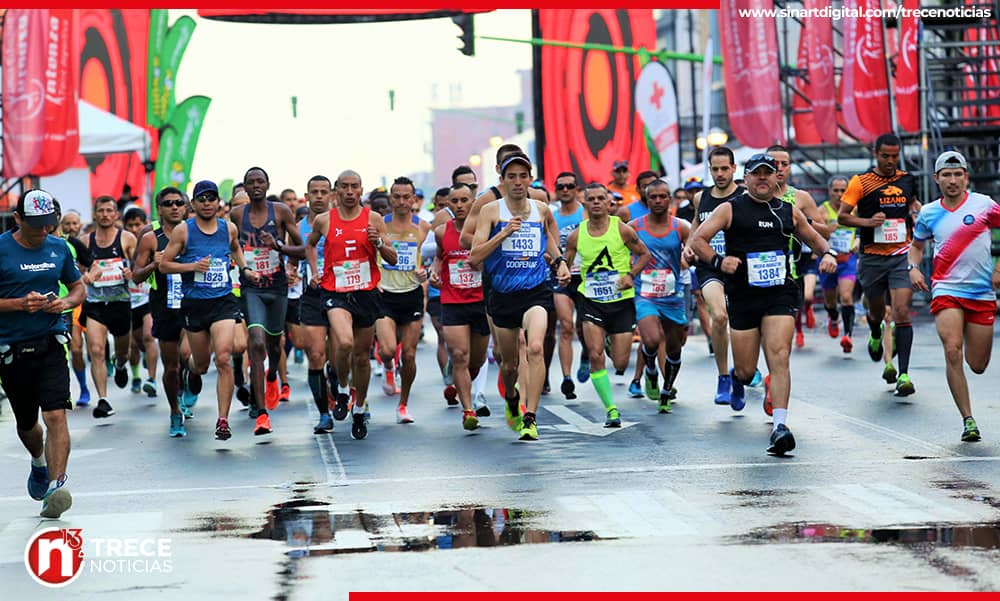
(880, 493)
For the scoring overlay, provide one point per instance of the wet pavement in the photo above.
(880, 493)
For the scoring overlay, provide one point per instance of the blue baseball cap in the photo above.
(418, 192)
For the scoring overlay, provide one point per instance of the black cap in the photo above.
(516, 157)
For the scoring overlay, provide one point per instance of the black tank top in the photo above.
(706, 205)
(759, 235)
(158, 292)
(269, 263)
(111, 255)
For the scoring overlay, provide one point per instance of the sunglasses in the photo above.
(172, 203)
(206, 198)
(565, 186)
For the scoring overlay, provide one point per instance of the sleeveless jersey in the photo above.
(460, 283)
(266, 261)
(519, 263)
(402, 277)
(660, 282)
(215, 282)
(349, 259)
(706, 205)
(637, 210)
(603, 259)
(759, 235)
(428, 250)
(842, 238)
(167, 291)
(110, 286)
(566, 224)
(306, 228)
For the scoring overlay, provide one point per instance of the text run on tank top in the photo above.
(706, 205)
(604, 259)
(215, 282)
(402, 277)
(350, 260)
(519, 263)
(460, 283)
(566, 224)
(660, 282)
(758, 235)
(110, 286)
(306, 228)
(167, 290)
(263, 259)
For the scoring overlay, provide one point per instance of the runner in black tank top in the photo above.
(763, 297)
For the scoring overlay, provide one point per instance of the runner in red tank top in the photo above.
(354, 237)
(463, 314)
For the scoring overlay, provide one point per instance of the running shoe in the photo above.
(451, 395)
(723, 391)
(768, 407)
(286, 393)
(469, 420)
(833, 328)
(512, 414)
(782, 440)
(670, 395)
(84, 399)
(969, 434)
(500, 387)
(359, 429)
(185, 410)
(711, 349)
(149, 387)
(529, 431)
(568, 388)
(243, 395)
(399, 379)
(103, 409)
(479, 405)
(300, 356)
(583, 372)
(736, 399)
(635, 389)
(889, 373)
(56, 502)
(263, 425)
(389, 383)
(222, 431)
(546, 388)
(325, 425)
(177, 426)
(652, 387)
(665, 405)
(847, 344)
(810, 317)
(121, 375)
(193, 383)
(377, 369)
(875, 350)
(341, 409)
(904, 387)
(402, 415)
(271, 393)
(136, 385)
(800, 340)
(755, 382)
(614, 418)
(38, 481)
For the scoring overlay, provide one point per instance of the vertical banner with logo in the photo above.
(818, 32)
(23, 90)
(848, 85)
(864, 84)
(656, 102)
(178, 142)
(166, 48)
(982, 76)
(907, 80)
(62, 122)
(803, 116)
(751, 71)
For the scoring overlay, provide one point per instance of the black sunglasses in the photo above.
(565, 186)
(206, 198)
(172, 203)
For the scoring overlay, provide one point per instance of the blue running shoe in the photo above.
(38, 482)
(300, 356)
(722, 393)
(736, 399)
(177, 426)
(325, 425)
(84, 399)
(757, 379)
(635, 390)
(583, 373)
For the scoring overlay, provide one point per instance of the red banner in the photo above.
(869, 87)
(906, 83)
(23, 90)
(329, 15)
(803, 116)
(819, 35)
(846, 93)
(62, 136)
(751, 72)
(981, 77)
(588, 118)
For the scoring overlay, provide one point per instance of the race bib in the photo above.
(174, 291)
(349, 276)
(718, 243)
(766, 269)
(217, 275)
(111, 272)
(602, 286)
(138, 293)
(841, 240)
(406, 256)
(525, 242)
(657, 283)
(891, 232)
(461, 275)
(264, 261)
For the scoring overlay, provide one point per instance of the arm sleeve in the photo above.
(854, 192)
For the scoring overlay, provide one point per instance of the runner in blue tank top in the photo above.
(660, 304)
(200, 249)
(511, 239)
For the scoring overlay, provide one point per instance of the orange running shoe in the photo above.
(402, 415)
(389, 383)
(768, 408)
(847, 344)
(286, 393)
(271, 393)
(451, 395)
(810, 317)
(263, 425)
(800, 340)
(833, 328)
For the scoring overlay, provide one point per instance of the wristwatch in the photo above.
(911, 267)
(379, 243)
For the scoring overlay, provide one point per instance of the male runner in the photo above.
(607, 291)
(142, 320)
(840, 285)
(69, 229)
(963, 285)
(885, 198)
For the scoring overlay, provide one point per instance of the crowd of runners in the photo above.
(509, 273)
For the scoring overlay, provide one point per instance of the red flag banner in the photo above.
(62, 136)
(804, 117)
(871, 85)
(849, 119)
(981, 77)
(907, 84)
(23, 90)
(588, 117)
(819, 35)
(751, 73)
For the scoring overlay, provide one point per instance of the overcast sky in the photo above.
(341, 75)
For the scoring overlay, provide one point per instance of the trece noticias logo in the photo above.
(54, 556)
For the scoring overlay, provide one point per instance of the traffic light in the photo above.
(468, 35)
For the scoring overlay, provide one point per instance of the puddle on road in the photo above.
(979, 536)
